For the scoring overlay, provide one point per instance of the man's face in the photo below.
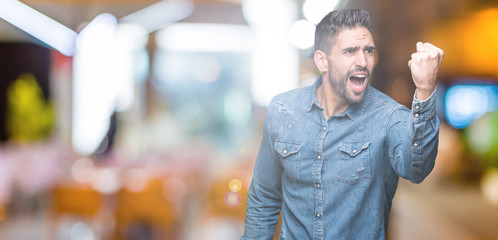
(351, 62)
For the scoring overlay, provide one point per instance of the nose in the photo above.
(361, 59)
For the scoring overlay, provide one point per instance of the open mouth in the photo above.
(358, 81)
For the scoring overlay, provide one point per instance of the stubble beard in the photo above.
(339, 85)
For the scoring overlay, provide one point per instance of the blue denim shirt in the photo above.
(335, 178)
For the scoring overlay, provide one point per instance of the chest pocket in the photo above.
(354, 165)
(290, 155)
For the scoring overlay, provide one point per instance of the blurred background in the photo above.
(141, 119)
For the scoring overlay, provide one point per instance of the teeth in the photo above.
(360, 76)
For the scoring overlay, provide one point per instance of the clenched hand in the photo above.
(424, 66)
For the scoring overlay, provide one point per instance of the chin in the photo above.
(356, 98)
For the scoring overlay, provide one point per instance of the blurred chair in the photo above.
(82, 201)
(144, 214)
(225, 207)
(75, 202)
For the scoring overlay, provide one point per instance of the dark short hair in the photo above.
(335, 21)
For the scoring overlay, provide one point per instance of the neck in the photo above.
(329, 100)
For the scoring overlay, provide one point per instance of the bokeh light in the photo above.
(489, 186)
(185, 85)
(235, 185)
(482, 137)
(134, 180)
(232, 199)
(106, 181)
(81, 231)
(83, 170)
(315, 10)
(302, 34)
(466, 102)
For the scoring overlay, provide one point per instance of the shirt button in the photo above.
(354, 151)
(417, 115)
(318, 215)
(417, 106)
(324, 128)
(285, 151)
(415, 144)
(318, 185)
(319, 156)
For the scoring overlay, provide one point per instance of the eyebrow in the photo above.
(356, 48)
(351, 49)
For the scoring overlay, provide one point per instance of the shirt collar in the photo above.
(355, 111)
(314, 99)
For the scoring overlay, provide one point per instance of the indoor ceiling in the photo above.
(414, 21)
(74, 13)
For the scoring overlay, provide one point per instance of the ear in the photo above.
(321, 61)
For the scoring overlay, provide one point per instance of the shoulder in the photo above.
(389, 109)
(376, 107)
(295, 100)
(294, 94)
(381, 101)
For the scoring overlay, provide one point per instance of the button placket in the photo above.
(416, 114)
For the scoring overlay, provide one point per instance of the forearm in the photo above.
(425, 137)
(413, 140)
(264, 200)
(262, 213)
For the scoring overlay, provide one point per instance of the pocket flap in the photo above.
(354, 148)
(286, 148)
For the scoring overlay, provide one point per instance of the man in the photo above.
(332, 153)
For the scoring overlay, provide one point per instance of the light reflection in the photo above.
(302, 34)
(93, 103)
(81, 231)
(205, 37)
(482, 137)
(39, 25)
(271, 33)
(465, 103)
(489, 186)
(106, 67)
(315, 10)
(106, 181)
(83, 170)
(135, 180)
(232, 199)
(235, 185)
(160, 14)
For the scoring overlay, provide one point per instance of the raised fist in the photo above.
(424, 66)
